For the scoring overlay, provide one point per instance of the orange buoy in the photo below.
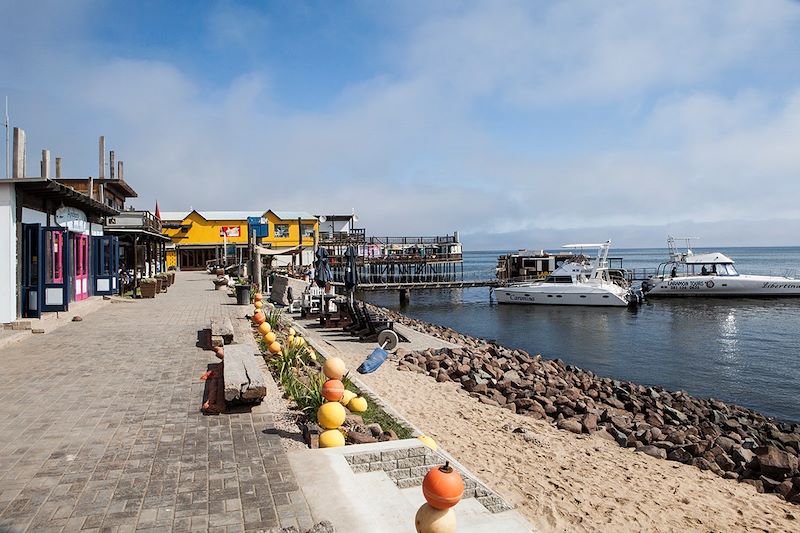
(264, 328)
(443, 486)
(275, 347)
(334, 368)
(259, 318)
(258, 297)
(333, 390)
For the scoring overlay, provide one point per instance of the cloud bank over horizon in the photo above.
(517, 124)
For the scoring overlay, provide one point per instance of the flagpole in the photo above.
(8, 149)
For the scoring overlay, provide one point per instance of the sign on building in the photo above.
(230, 231)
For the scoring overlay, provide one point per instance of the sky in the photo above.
(516, 123)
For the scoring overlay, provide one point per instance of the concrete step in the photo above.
(368, 488)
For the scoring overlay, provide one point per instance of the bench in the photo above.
(243, 379)
(221, 331)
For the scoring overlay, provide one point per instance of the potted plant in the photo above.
(148, 287)
(164, 279)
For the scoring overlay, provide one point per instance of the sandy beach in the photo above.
(558, 480)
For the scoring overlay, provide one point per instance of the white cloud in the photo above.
(405, 149)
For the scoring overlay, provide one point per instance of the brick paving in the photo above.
(101, 430)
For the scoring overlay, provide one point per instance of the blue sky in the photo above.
(517, 123)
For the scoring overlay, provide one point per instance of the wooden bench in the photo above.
(220, 332)
(243, 378)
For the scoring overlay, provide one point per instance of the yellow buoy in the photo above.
(275, 347)
(431, 520)
(269, 337)
(429, 442)
(264, 328)
(331, 438)
(357, 404)
(258, 304)
(292, 332)
(348, 395)
(290, 341)
(331, 415)
(334, 368)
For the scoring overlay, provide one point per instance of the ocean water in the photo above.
(743, 351)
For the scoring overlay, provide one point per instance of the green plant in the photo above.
(274, 318)
(375, 414)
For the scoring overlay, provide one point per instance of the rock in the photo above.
(743, 454)
(589, 422)
(360, 438)
(680, 455)
(570, 424)
(702, 464)
(775, 463)
(757, 483)
(387, 435)
(725, 443)
(724, 462)
(374, 429)
(322, 527)
(653, 451)
(76, 318)
(353, 420)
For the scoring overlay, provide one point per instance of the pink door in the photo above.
(82, 267)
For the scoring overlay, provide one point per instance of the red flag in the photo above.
(158, 211)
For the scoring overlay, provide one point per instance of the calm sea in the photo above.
(744, 351)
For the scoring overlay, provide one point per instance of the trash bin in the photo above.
(242, 294)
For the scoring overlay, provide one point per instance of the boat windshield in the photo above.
(714, 269)
(558, 279)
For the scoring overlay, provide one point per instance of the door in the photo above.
(105, 264)
(55, 280)
(80, 264)
(31, 270)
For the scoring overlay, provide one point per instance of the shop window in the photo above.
(53, 245)
(307, 230)
(281, 231)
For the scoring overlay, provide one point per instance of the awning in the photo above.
(138, 231)
(279, 251)
(52, 190)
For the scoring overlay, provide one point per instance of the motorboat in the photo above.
(576, 281)
(712, 274)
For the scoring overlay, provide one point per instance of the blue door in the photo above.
(54, 273)
(105, 265)
(31, 270)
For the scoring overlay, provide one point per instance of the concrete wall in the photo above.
(8, 253)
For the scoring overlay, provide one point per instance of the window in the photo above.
(281, 231)
(307, 230)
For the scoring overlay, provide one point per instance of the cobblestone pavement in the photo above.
(101, 430)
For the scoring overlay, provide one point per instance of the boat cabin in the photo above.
(708, 264)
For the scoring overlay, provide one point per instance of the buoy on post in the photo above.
(443, 489)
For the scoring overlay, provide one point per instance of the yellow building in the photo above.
(200, 237)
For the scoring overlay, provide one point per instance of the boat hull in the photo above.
(742, 286)
(543, 295)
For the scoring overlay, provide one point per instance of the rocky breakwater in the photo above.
(731, 441)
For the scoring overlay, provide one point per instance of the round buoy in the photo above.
(275, 347)
(443, 486)
(331, 415)
(331, 438)
(432, 520)
(334, 368)
(333, 390)
(264, 328)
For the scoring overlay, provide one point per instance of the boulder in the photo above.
(653, 451)
(775, 463)
(570, 424)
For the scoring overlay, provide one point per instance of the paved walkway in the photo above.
(101, 430)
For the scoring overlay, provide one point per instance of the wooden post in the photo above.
(18, 161)
(135, 263)
(102, 159)
(45, 163)
(111, 165)
(58, 167)
(405, 296)
(300, 239)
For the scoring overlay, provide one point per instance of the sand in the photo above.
(558, 480)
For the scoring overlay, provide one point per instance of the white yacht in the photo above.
(577, 281)
(712, 274)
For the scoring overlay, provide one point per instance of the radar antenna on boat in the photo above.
(673, 250)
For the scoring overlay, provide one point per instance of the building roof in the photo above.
(126, 189)
(293, 215)
(211, 215)
(48, 188)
